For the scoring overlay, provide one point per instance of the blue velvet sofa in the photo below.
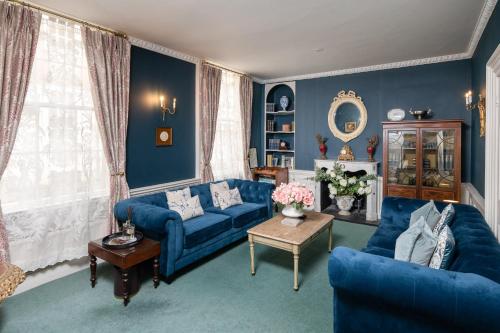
(185, 242)
(375, 293)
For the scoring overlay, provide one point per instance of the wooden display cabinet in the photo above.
(422, 159)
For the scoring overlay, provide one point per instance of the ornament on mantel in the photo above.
(322, 146)
(372, 144)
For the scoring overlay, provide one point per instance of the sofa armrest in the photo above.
(147, 217)
(468, 301)
(257, 192)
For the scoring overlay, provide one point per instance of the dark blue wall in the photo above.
(438, 86)
(487, 45)
(256, 138)
(152, 74)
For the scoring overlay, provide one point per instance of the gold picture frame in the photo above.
(349, 126)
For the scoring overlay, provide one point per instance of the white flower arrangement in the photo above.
(339, 184)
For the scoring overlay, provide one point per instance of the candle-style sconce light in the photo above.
(481, 106)
(164, 108)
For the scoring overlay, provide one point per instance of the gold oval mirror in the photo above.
(347, 116)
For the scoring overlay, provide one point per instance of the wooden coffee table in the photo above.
(124, 260)
(293, 239)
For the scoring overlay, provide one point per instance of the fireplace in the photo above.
(365, 208)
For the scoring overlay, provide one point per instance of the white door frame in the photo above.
(492, 154)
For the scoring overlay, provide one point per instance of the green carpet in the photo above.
(219, 295)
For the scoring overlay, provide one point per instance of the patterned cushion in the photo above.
(229, 198)
(178, 197)
(429, 212)
(416, 244)
(446, 217)
(216, 188)
(188, 209)
(443, 254)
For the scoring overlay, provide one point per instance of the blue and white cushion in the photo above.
(217, 188)
(229, 198)
(445, 219)
(443, 253)
(188, 209)
(177, 197)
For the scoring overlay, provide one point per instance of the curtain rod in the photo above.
(67, 17)
(224, 68)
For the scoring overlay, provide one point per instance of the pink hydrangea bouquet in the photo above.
(293, 194)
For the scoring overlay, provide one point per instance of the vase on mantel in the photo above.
(290, 211)
(344, 203)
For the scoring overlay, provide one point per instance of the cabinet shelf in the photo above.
(280, 132)
(281, 113)
(280, 151)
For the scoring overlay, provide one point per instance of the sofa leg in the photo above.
(169, 279)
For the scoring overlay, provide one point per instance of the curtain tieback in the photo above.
(119, 174)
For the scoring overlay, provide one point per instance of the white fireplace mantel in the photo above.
(369, 167)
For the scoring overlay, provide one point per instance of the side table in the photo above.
(124, 260)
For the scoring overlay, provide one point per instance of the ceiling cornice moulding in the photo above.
(484, 17)
(392, 65)
(163, 50)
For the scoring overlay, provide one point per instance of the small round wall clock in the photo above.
(164, 136)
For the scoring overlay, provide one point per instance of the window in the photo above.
(227, 156)
(56, 186)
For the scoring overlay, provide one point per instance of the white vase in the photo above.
(290, 211)
(344, 203)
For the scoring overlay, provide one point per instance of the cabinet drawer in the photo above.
(405, 192)
(437, 195)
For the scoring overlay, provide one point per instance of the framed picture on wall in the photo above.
(163, 136)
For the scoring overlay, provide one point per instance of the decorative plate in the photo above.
(396, 114)
(119, 241)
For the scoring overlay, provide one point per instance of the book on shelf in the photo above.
(269, 159)
(270, 125)
(269, 107)
(274, 144)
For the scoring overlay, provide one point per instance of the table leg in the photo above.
(124, 274)
(252, 255)
(296, 254)
(330, 237)
(156, 272)
(93, 266)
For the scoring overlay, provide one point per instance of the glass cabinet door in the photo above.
(438, 158)
(402, 156)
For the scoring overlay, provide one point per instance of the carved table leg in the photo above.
(296, 253)
(93, 266)
(252, 255)
(124, 273)
(156, 272)
(330, 237)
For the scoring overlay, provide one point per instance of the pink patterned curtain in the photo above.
(108, 58)
(210, 93)
(246, 95)
(19, 28)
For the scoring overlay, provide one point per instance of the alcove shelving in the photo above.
(279, 125)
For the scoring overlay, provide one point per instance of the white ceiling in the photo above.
(280, 38)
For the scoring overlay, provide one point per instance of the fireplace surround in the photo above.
(353, 166)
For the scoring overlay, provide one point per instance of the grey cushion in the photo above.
(443, 254)
(406, 240)
(416, 244)
(429, 212)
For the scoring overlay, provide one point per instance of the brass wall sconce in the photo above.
(164, 108)
(481, 106)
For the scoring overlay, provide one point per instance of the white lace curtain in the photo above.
(55, 189)
(227, 156)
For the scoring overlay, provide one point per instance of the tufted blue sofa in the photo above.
(375, 293)
(185, 242)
